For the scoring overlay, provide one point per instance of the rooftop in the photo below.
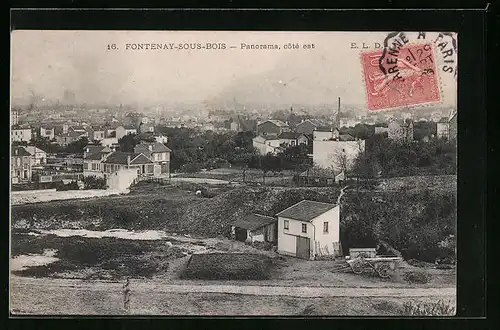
(290, 135)
(275, 122)
(306, 210)
(155, 147)
(119, 157)
(253, 221)
(19, 151)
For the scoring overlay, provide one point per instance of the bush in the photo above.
(417, 277)
(73, 185)
(439, 308)
(228, 266)
(94, 182)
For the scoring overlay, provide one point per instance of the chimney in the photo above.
(150, 147)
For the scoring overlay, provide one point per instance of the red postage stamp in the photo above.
(400, 77)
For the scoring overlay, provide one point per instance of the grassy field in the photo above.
(95, 258)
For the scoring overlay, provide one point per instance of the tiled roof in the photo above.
(443, 120)
(275, 122)
(346, 137)
(119, 157)
(157, 147)
(253, 221)
(290, 135)
(306, 210)
(19, 151)
(95, 156)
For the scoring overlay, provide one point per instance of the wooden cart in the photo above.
(384, 266)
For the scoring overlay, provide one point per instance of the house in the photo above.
(14, 117)
(381, 130)
(20, 164)
(443, 128)
(93, 157)
(292, 139)
(316, 176)
(453, 125)
(47, 132)
(96, 133)
(401, 131)
(20, 134)
(447, 127)
(38, 155)
(339, 154)
(308, 126)
(65, 139)
(146, 127)
(255, 228)
(109, 142)
(272, 127)
(265, 145)
(309, 229)
(119, 160)
(122, 131)
(325, 133)
(158, 153)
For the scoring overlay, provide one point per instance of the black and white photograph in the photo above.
(233, 173)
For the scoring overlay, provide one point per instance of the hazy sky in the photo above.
(50, 62)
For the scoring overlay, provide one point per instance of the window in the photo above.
(304, 228)
(325, 227)
(19, 162)
(293, 143)
(286, 225)
(94, 166)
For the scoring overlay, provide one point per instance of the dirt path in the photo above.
(19, 284)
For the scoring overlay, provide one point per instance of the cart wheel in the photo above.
(356, 267)
(384, 271)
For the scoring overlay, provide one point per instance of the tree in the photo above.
(76, 147)
(127, 143)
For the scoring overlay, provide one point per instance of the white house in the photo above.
(443, 128)
(39, 156)
(266, 145)
(309, 229)
(20, 134)
(325, 135)
(292, 139)
(337, 154)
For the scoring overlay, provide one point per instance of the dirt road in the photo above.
(76, 297)
(304, 291)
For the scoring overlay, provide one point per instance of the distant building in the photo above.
(70, 137)
(20, 165)
(308, 126)
(159, 154)
(20, 134)
(325, 134)
(443, 128)
(14, 117)
(265, 145)
(272, 127)
(401, 131)
(309, 229)
(339, 154)
(122, 131)
(292, 139)
(453, 125)
(47, 132)
(146, 127)
(38, 155)
(381, 130)
(95, 133)
(93, 157)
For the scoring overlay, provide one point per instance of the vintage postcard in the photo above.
(233, 173)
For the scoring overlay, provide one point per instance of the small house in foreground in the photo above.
(309, 229)
(255, 228)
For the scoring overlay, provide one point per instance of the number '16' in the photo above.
(112, 46)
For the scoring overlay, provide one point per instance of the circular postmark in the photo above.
(406, 71)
